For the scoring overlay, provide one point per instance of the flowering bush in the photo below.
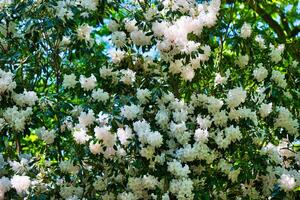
(144, 100)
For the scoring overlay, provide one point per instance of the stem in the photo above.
(18, 144)
(56, 66)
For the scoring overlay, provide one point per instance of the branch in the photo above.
(295, 31)
(283, 18)
(285, 23)
(266, 17)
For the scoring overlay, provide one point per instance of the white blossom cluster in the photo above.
(6, 82)
(48, 136)
(285, 120)
(260, 73)
(246, 30)
(161, 118)
(19, 183)
(17, 117)
(27, 98)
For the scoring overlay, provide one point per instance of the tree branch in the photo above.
(267, 18)
(295, 31)
(285, 23)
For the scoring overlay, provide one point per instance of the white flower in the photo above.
(204, 123)
(285, 120)
(279, 78)
(105, 72)
(260, 73)
(88, 83)
(150, 13)
(6, 81)
(130, 112)
(155, 139)
(189, 153)
(95, 148)
(2, 162)
(99, 95)
(4, 3)
(190, 47)
(168, 97)
(284, 149)
(118, 38)
(19, 167)
(242, 61)
(69, 81)
(48, 136)
(5, 186)
(117, 56)
(62, 10)
(180, 115)
(80, 136)
(86, 118)
(219, 80)
(17, 118)
(166, 196)
(162, 118)
(177, 129)
(124, 135)
(142, 128)
(287, 94)
(20, 183)
(260, 41)
(68, 167)
(220, 118)
(89, 4)
(233, 133)
(66, 40)
(103, 118)
(146, 136)
(159, 28)
(84, 32)
(177, 33)
(187, 73)
(164, 46)
(246, 113)
(182, 188)
(143, 95)
(275, 53)
(176, 67)
(113, 25)
(128, 76)
(27, 98)
(127, 196)
(214, 104)
(235, 97)
(265, 109)
(221, 141)
(207, 51)
(139, 38)
(130, 25)
(245, 30)
(178, 170)
(201, 135)
(104, 134)
(287, 182)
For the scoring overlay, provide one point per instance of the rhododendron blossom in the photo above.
(130, 100)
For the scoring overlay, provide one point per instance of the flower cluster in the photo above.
(145, 105)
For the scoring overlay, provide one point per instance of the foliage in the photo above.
(149, 99)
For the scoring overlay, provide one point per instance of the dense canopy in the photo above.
(149, 99)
